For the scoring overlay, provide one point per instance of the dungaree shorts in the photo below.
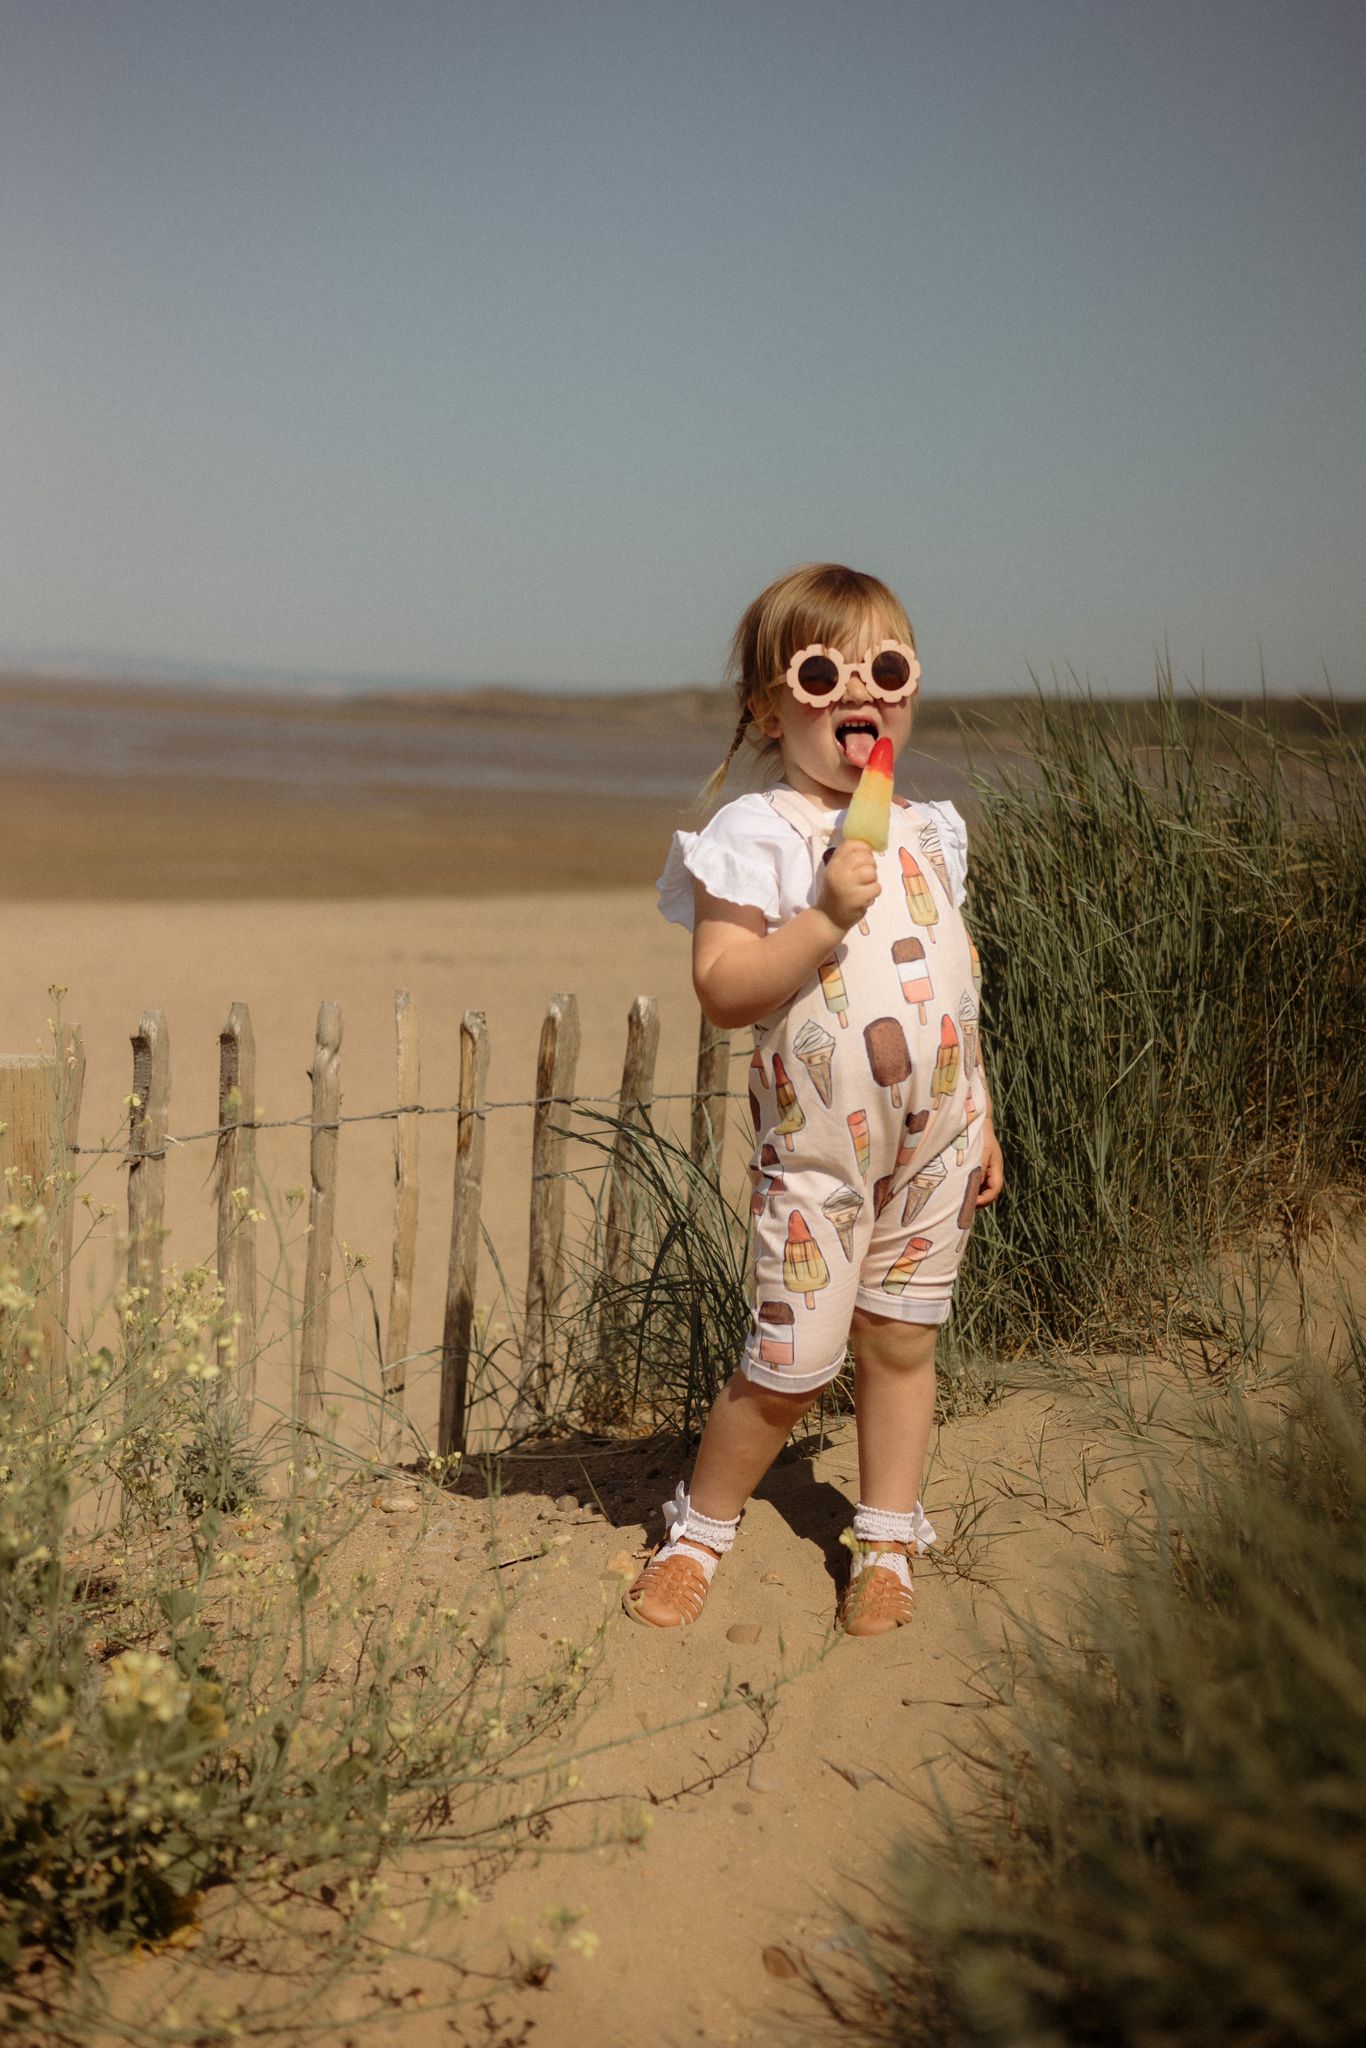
(867, 1095)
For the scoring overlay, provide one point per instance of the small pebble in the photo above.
(770, 1579)
(398, 1503)
(742, 1806)
(743, 1632)
(779, 1963)
(621, 1561)
(566, 1503)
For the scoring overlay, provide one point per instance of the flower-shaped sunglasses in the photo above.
(820, 675)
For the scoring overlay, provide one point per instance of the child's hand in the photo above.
(849, 883)
(993, 1168)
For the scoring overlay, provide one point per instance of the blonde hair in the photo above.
(821, 604)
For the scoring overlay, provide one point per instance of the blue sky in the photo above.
(525, 341)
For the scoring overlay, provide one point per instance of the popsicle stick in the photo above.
(637, 1094)
(235, 1170)
(709, 1098)
(470, 1130)
(40, 1106)
(555, 1069)
(394, 1368)
(322, 1209)
(146, 1154)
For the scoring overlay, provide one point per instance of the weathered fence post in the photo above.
(470, 1130)
(235, 1168)
(633, 1108)
(40, 1110)
(709, 1098)
(322, 1209)
(394, 1369)
(148, 1114)
(555, 1068)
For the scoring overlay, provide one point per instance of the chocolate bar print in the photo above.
(889, 1055)
(756, 1068)
(967, 1212)
(768, 1181)
(777, 1325)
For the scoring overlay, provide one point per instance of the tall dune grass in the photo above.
(1167, 1844)
(1170, 915)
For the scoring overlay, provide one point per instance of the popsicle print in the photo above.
(804, 1269)
(857, 1121)
(934, 853)
(792, 1117)
(948, 1059)
(919, 901)
(843, 1208)
(777, 1326)
(976, 966)
(756, 1068)
(889, 1056)
(899, 1277)
(833, 989)
(768, 1181)
(908, 957)
(967, 1211)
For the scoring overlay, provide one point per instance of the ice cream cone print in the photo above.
(899, 1277)
(843, 1208)
(919, 901)
(889, 1056)
(768, 1181)
(934, 854)
(908, 957)
(944, 1079)
(967, 1212)
(792, 1118)
(816, 1050)
(857, 1121)
(776, 1328)
(920, 1188)
(804, 1270)
(834, 991)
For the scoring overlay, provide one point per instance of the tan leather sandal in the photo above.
(875, 1600)
(671, 1590)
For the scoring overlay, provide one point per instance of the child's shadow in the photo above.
(812, 1508)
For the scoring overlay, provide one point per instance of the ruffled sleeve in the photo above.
(953, 840)
(740, 855)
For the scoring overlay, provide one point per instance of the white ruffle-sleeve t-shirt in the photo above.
(748, 854)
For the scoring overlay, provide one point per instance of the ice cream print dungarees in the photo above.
(867, 1094)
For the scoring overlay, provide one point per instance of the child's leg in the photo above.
(894, 1405)
(745, 1431)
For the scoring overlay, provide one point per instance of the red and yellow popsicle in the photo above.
(804, 1270)
(919, 901)
(869, 816)
(944, 1079)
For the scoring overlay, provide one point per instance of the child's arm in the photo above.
(742, 971)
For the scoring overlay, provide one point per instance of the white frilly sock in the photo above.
(880, 1525)
(687, 1530)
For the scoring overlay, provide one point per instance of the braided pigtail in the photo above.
(712, 786)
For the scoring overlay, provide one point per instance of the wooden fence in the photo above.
(40, 1099)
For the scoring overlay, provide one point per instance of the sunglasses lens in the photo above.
(891, 670)
(818, 676)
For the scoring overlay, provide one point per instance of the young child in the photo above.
(873, 1146)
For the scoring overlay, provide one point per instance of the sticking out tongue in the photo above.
(858, 746)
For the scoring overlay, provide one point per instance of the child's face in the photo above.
(825, 747)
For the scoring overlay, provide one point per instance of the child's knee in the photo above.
(892, 1341)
